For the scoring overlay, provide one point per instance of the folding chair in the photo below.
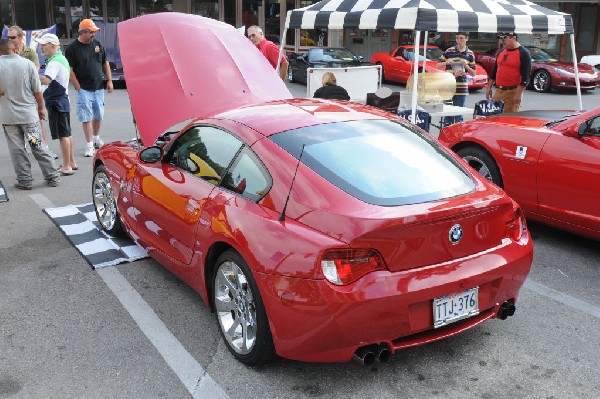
(384, 98)
(423, 118)
(487, 107)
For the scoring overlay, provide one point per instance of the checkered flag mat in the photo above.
(3, 195)
(80, 225)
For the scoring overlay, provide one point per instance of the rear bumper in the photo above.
(312, 320)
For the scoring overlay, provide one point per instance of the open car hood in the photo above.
(182, 66)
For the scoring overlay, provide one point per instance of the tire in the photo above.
(105, 204)
(541, 81)
(290, 74)
(240, 312)
(483, 163)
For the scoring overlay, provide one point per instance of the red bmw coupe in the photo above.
(548, 161)
(398, 65)
(316, 230)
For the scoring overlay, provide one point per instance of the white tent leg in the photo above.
(577, 84)
(282, 40)
(415, 76)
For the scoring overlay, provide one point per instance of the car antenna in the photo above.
(282, 216)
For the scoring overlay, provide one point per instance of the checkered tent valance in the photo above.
(520, 16)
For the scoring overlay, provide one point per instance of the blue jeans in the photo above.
(459, 101)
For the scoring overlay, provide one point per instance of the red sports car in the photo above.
(399, 64)
(547, 72)
(548, 161)
(316, 230)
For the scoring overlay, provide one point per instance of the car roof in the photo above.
(278, 116)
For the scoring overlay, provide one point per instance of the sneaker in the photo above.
(53, 183)
(22, 186)
(98, 143)
(89, 152)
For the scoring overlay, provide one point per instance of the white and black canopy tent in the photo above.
(490, 16)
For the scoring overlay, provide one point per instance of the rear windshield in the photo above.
(380, 162)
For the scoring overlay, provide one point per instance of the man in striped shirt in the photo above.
(460, 61)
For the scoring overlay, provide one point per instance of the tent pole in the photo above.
(577, 83)
(282, 40)
(415, 76)
(425, 50)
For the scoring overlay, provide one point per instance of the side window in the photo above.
(594, 128)
(205, 152)
(248, 177)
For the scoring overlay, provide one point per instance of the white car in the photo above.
(593, 60)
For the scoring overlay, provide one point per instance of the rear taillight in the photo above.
(516, 225)
(345, 266)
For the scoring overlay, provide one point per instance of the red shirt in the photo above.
(512, 67)
(270, 51)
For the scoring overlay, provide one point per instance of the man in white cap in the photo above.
(87, 59)
(55, 81)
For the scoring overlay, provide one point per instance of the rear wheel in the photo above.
(105, 204)
(483, 163)
(240, 312)
(542, 83)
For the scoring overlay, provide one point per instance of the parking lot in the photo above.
(136, 331)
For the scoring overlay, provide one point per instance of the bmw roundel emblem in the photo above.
(455, 234)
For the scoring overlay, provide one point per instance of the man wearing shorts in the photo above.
(56, 84)
(87, 59)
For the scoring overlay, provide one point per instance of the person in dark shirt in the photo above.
(330, 89)
(87, 59)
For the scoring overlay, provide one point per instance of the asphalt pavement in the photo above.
(136, 331)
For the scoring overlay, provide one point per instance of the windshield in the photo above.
(539, 55)
(378, 161)
(562, 119)
(433, 54)
(331, 54)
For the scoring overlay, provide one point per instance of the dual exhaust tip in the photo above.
(366, 355)
(506, 310)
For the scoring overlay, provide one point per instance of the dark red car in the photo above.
(398, 65)
(548, 161)
(547, 72)
(314, 229)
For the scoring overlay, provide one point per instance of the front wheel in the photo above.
(105, 204)
(290, 74)
(483, 163)
(240, 312)
(542, 83)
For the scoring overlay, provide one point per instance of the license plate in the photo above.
(454, 307)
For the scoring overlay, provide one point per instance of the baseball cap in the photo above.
(503, 35)
(48, 38)
(89, 25)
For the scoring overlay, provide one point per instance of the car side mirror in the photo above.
(582, 128)
(151, 154)
(399, 58)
